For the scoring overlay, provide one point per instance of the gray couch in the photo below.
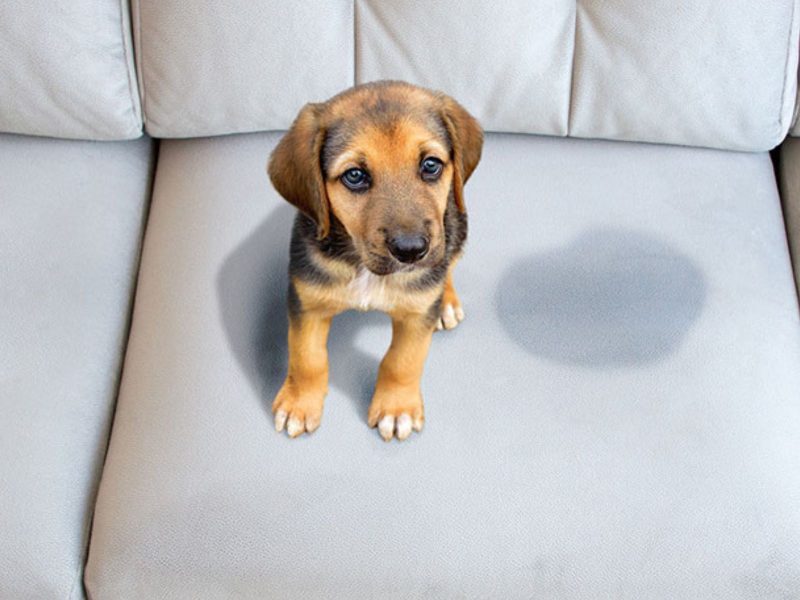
(617, 417)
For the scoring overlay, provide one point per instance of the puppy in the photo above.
(377, 175)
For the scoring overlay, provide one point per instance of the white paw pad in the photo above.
(450, 317)
(399, 427)
(294, 425)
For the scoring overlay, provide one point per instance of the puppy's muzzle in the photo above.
(408, 248)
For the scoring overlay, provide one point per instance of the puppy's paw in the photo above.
(396, 415)
(451, 312)
(297, 412)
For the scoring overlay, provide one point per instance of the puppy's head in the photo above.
(385, 160)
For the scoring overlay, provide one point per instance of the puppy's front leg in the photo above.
(298, 405)
(397, 403)
(451, 311)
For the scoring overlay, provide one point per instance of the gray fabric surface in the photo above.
(711, 73)
(239, 65)
(790, 194)
(71, 217)
(509, 63)
(66, 69)
(700, 73)
(617, 417)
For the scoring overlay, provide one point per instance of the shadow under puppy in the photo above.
(377, 173)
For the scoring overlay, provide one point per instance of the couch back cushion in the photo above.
(242, 65)
(67, 69)
(694, 72)
(719, 73)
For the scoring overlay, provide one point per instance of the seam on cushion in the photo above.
(155, 149)
(129, 60)
(786, 76)
(571, 91)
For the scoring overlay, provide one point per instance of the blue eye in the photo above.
(356, 180)
(430, 169)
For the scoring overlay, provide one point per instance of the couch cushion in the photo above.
(70, 230)
(709, 73)
(66, 69)
(510, 63)
(617, 416)
(243, 66)
(717, 73)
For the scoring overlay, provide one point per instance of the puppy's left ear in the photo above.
(466, 137)
(295, 168)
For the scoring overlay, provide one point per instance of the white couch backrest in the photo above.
(66, 69)
(209, 68)
(719, 73)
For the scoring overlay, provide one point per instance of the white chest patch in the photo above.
(370, 292)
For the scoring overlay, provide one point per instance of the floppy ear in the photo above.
(466, 137)
(296, 171)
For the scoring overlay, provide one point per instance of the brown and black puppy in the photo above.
(377, 174)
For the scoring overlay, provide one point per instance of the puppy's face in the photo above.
(389, 187)
(385, 161)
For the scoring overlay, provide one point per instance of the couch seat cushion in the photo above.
(618, 416)
(71, 220)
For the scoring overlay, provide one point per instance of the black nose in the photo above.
(408, 248)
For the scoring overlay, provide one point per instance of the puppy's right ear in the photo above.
(466, 137)
(295, 168)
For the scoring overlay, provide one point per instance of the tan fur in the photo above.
(303, 393)
(398, 198)
(394, 157)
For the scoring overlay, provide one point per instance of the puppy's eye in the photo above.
(430, 169)
(356, 180)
